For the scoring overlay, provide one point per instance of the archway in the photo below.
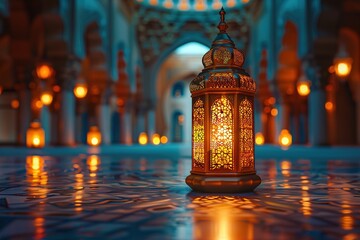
(173, 111)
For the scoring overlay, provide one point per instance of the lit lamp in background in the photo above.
(259, 138)
(44, 71)
(80, 90)
(46, 98)
(303, 86)
(223, 121)
(285, 138)
(35, 135)
(163, 139)
(156, 139)
(94, 136)
(342, 63)
(143, 139)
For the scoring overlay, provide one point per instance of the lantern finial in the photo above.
(222, 25)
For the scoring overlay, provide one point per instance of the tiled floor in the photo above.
(111, 197)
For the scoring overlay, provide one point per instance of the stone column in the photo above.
(104, 119)
(67, 118)
(46, 123)
(24, 114)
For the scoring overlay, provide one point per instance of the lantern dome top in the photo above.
(223, 66)
(223, 52)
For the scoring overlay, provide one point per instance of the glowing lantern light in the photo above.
(15, 104)
(80, 90)
(44, 71)
(223, 121)
(35, 136)
(163, 139)
(93, 161)
(259, 138)
(285, 138)
(274, 112)
(303, 87)
(329, 106)
(94, 136)
(143, 139)
(46, 98)
(156, 139)
(342, 66)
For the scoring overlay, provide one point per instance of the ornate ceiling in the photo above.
(158, 28)
(194, 5)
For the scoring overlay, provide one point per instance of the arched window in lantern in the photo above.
(35, 135)
(94, 136)
(223, 121)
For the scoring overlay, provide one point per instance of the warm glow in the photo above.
(200, 5)
(342, 67)
(231, 3)
(303, 88)
(274, 112)
(38, 104)
(285, 138)
(156, 139)
(153, 2)
(44, 71)
(259, 138)
(168, 4)
(46, 98)
(80, 90)
(36, 141)
(94, 136)
(93, 162)
(183, 5)
(143, 139)
(329, 106)
(217, 4)
(15, 104)
(163, 139)
(35, 136)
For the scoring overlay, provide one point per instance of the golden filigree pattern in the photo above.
(246, 134)
(222, 56)
(238, 58)
(221, 80)
(197, 84)
(198, 134)
(221, 135)
(247, 83)
(207, 61)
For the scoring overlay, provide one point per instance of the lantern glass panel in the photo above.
(198, 134)
(246, 134)
(221, 141)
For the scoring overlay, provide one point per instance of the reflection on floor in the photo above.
(113, 197)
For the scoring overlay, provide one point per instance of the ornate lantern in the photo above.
(35, 136)
(223, 121)
(94, 136)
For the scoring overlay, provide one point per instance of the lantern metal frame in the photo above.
(223, 138)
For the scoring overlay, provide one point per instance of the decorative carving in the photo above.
(247, 83)
(246, 134)
(221, 80)
(222, 56)
(207, 61)
(198, 134)
(221, 139)
(198, 83)
(238, 58)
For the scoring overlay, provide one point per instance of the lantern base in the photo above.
(221, 184)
